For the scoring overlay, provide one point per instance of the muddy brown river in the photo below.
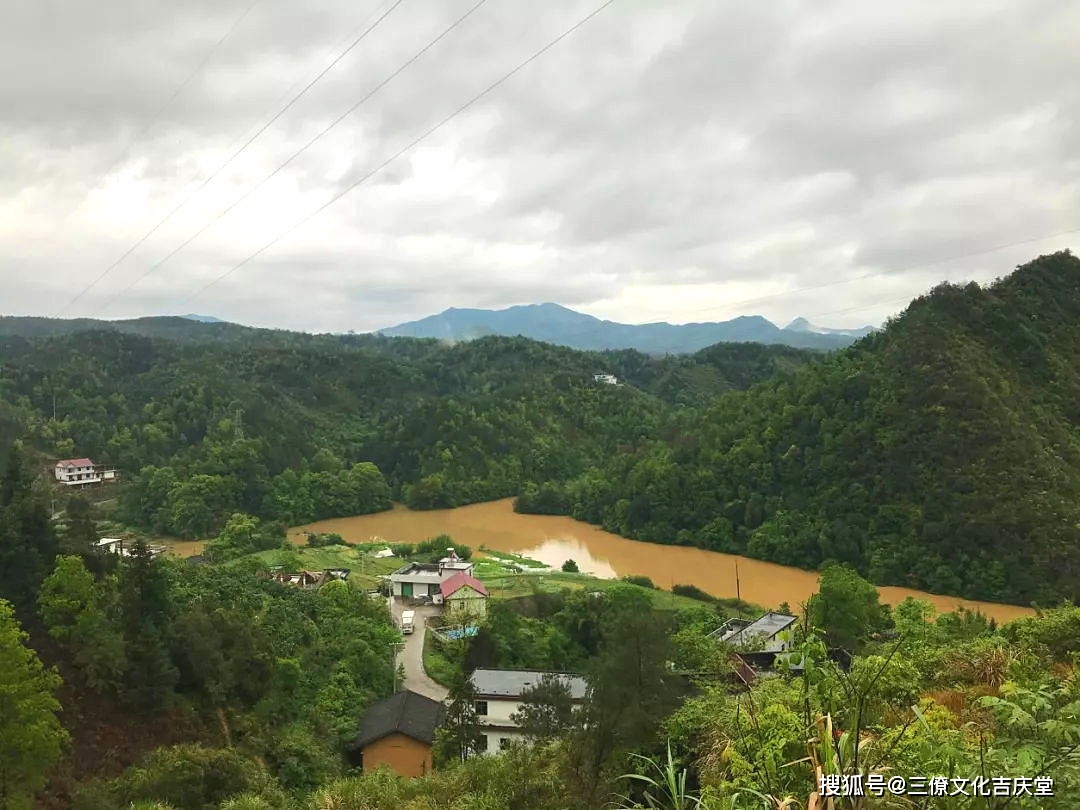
(553, 540)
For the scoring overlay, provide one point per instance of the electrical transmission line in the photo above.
(233, 157)
(414, 58)
(408, 147)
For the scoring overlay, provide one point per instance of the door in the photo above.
(406, 588)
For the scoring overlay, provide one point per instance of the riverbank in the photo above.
(551, 539)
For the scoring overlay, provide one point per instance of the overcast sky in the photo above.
(680, 161)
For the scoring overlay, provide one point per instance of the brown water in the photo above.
(553, 540)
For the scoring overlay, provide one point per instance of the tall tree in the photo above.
(31, 736)
(27, 542)
(144, 601)
(847, 608)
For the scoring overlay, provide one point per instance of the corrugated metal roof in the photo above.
(765, 627)
(511, 683)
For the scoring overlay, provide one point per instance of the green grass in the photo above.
(512, 586)
(438, 667)
(513, 559)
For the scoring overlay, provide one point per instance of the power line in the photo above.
(426, 134)
(168, 102)
(415, 57)
(235, 155)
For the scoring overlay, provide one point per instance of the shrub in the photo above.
(570, 567)
(692, 592)
(640, 580)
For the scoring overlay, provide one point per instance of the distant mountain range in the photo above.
(557, 324)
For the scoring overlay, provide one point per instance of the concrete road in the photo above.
(412, 657)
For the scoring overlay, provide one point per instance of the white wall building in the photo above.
(424, 579)
(499, 697)
(80, 471)
(609, 379)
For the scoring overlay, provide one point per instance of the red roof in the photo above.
(459, 581)
(75, 462)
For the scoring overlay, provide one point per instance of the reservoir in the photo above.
(553, 540)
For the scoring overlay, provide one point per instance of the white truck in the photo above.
(407, 621)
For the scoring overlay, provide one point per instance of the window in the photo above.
(481, 708)
(504, 743)
(482, 743)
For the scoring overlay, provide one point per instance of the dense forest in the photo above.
(940, 453)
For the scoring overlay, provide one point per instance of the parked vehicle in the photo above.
(407, 621)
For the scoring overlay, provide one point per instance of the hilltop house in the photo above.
(399, 732)
(499, 695)
(82, 471)
(608, 379)
(464, 595)
(425, 579)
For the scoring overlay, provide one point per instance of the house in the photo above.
(309, 580)
(769, 633)
(398, 732)
(82, 471)
(499, 694)
(464, 595)
(425, 579)
(111, 545)
(607, 379)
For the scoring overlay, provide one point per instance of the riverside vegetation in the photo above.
(919, 457)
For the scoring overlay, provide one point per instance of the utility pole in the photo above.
(738, 592)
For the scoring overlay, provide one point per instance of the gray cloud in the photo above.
(667, 161)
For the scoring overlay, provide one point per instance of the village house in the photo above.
(464, 595)
(759, 645)
(82, 471)
(499, 695)
(309, 580)
(417, 580)
(122, 547)
(769, 633)
(398, 732)
(607, 379)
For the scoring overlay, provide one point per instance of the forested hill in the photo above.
(266, 423)
(942, 452)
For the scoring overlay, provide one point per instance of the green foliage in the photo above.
(846, 608)
(82, 614)
(31, 736)
(547, 710)
(694, 592)
(242, 535)
(186, 777)
(640, 580)
(27, 543)
(570, 567)
(941, 453)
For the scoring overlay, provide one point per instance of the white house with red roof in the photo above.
(81, 471)
(464, 595)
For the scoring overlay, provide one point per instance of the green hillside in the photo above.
(941, 453)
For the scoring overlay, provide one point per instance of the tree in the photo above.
(81, 534)
(547, 709)
(846, 608)
(27, 543)
(460, 736)
(570, 567)
(145, 607)
(31, 736)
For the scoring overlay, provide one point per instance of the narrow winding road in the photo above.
(416, 679)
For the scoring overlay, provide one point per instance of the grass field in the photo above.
(512, 586)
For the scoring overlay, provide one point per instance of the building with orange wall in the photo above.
(398, 732)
